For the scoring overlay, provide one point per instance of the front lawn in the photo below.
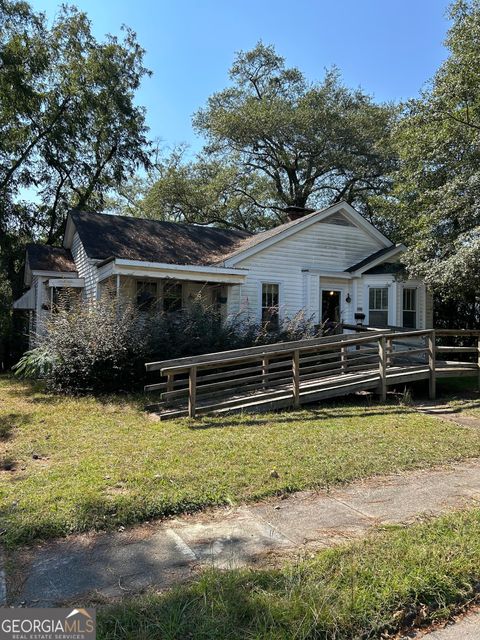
(369, 589)
(73, 464)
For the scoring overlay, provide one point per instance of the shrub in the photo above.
(202, 329)
(88, 347)
(101, 347)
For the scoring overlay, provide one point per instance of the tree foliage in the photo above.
(208, 191)
(274, 140)
(69, 126)
(70, 130)
(438, 184)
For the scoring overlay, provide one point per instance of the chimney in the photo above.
(295, 213)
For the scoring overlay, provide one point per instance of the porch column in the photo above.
(392, 312)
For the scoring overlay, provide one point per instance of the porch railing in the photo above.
(227, 379)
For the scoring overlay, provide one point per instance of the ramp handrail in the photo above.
(228, 377)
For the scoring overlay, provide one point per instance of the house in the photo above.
(332, 263)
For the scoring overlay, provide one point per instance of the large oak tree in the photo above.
(273, 140)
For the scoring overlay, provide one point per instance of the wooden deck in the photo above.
(295, 373)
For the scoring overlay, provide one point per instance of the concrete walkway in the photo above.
(467, 628)
(444, 411)
(161, 554)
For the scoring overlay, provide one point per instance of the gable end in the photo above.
(338, 219)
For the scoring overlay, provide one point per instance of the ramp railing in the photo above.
(227, 379)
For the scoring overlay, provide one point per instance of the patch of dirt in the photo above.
(16, 569)
(117, 490)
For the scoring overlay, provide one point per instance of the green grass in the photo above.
(74, 464)
(382, 584)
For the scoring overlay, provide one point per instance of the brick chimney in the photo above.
(295, 213)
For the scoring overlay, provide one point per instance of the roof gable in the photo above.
(106, 236)
(337, 218)
(47, 259)
(349, 216)
(380, 257)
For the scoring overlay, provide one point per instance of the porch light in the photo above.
(332, 293)
(348, 298)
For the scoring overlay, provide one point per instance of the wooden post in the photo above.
(265, 361)
(170, 377)
(382, 367)
(432, 380)
(343, 359)
(389, 352)
(478, 360)
(117, 300)
(192, 391)
(296, 378)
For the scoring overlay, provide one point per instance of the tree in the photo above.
(314, 143)
(207, 191)
(69, 126)
(70, 130)
(438, 184)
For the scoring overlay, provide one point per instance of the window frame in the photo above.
(69, 295)
(381, 309)
(414, 311)
(170, 285)
(147, 305)
(279, 286)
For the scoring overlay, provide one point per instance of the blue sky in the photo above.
(388, 47)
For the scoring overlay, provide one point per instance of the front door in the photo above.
(331, 309)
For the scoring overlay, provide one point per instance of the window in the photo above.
(410, 308)
(378, 306)
(270, 305)
(172, 297)
(65, 298)
(146, 295)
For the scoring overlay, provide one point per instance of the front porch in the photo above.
(167, 288)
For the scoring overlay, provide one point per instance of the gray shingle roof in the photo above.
(43, 257)
(110, 236)
(106, 236)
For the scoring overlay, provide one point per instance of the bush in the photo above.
(99, 347)
(87, 348)
(202, 329)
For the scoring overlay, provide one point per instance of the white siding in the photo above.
(85, 268)
(42, 305)
(36, 320)
(321, 246)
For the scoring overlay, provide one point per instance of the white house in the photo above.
(332, 263)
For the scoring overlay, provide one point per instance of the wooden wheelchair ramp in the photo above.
(294, 373)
